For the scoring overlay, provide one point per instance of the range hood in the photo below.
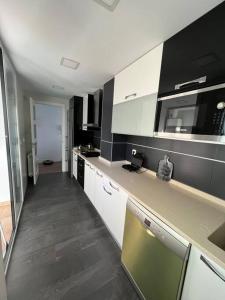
(92, 110)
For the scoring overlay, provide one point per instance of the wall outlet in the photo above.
(134, 151)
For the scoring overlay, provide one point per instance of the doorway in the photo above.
(49, 127)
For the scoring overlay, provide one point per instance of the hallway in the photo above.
(63, 250)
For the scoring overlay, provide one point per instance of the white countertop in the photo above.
(191, 213)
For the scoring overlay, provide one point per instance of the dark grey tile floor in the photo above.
(62, 249)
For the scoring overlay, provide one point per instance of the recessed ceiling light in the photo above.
(108, 4)
(58, 87)
(69, 63)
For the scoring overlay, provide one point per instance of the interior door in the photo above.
(34, 140)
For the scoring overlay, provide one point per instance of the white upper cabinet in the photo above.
(140, 78)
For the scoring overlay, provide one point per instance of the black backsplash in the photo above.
(85, 137)
(199, 165)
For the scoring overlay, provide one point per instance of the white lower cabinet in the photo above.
(89, 181)
(115, 210)
(205, 280)
(112, 207)
(75, 165)
(99, 195)
(109, 200)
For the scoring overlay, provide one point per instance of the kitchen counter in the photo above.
(191, 213)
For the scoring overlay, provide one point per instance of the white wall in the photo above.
(49, 132)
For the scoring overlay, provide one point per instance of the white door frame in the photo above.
(64, 130)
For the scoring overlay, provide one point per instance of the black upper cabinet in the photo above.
(195, 52)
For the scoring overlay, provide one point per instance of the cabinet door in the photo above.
(140, 78)
(195, 52)
(135, 117)
(118, 212)
(91, 189)
(98, 192)
(204, 279)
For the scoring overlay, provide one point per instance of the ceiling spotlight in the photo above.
(69, 63)
(108, 4)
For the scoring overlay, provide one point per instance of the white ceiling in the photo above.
(38, 33)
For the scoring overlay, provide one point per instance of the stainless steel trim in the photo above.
(213, 139)
(184, 269)
(212, 268)
(206, 89)
(115, 188)
(133, 281)
(109, 193)
(198, 80)
(131, 95)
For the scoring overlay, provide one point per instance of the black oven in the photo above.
(80, 171)
(197, 115)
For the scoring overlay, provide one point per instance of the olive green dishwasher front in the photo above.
(153, 255)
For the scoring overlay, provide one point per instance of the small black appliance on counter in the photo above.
(88, 151)
(136, 163)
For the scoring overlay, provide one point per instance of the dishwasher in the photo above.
(153, 255)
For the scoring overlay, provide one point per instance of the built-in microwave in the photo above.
(196, 115)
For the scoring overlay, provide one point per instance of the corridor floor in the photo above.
(63, 250)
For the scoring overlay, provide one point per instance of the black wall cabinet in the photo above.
(196, 51)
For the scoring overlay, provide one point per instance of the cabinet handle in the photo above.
(212, 268)
(100, 175)
(115, 188)
(91, 168)
(198, 80)
(87, 165)
(131, 95)
(109, 193)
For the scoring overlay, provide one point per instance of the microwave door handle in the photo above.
(190, 83)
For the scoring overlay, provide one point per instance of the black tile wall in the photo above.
(106, 150)
(217, 186)
(194, 162)
(194, 148)
(121, 138)
(96, 142)
(192, 171)
(220, 152)
(118, 151)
